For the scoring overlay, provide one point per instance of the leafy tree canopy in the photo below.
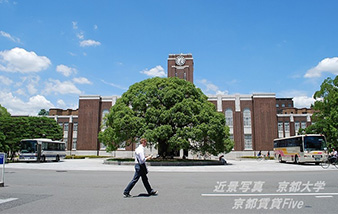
(4, 112)
(43, 112)
(171, 113)
(326, 116)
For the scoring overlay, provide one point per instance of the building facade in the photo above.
(255, 120)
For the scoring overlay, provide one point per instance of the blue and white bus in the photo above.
(41, 149)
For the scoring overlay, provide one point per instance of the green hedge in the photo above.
(255, 157)
(83, 156)
(159, 160)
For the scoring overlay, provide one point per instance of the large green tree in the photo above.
(326, 116)
(3, 114)
(171, 113)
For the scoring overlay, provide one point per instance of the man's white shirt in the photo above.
(139, 155)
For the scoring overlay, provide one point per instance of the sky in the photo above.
(52, 52)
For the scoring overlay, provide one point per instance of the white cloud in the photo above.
(82, 80)
(303, 101)
(80, 35)
(30, 82)
(61, 103)
(75, 25)
(114, 85)
(211, 87)
(12, 38)
(31, 89)
(65, 70)
(326, 65)
(33, 82)
(157, 71)
(58, 87)
(20, 60)
(20, 91)
(300, 98)
(16, 106)
(89, 42)
(5, 80)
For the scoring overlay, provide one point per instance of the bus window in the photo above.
(28, 147)
(314, 143)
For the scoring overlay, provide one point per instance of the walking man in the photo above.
(140, 170)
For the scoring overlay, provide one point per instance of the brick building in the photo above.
(254, 119)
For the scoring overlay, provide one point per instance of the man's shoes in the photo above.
(153, 192)
(126, 195)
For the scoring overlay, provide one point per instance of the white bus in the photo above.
(41, 150)
(309, 148)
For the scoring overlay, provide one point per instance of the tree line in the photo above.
(14, 129)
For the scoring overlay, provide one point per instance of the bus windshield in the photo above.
(312, 143)
(28, 146)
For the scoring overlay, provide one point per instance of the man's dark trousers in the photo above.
(139, 172)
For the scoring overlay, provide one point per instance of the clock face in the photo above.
(180, 60)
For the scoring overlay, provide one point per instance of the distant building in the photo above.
(68, 120)
(282, 103)
(255, 120)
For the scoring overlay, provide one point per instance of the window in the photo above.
(283, 105)
(74, 144)
(104, 114)
(75, 126)
(277, 105)
(66, 141)
(297, 127)
(104, 119)
(66, 127)
(247, 118)
(287, 129)
(248, 141)
(303, 125)
(280, 130)
(229, 117)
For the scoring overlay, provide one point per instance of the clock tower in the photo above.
(181, 66)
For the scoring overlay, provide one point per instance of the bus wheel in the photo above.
(43, 159)
(57, 158)
(296, 159)
(280, 159)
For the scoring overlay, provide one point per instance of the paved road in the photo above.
(88, 186)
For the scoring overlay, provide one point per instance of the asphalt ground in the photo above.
(232, 166)
(90, 186)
